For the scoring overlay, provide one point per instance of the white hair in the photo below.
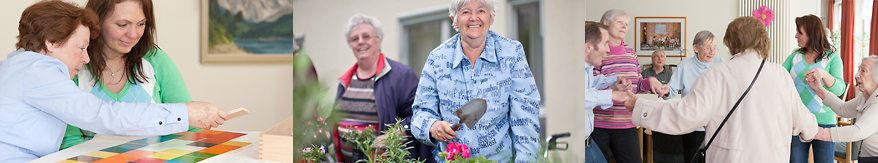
(456, 5)
(612, 14)
(358, 19)
(874, 66)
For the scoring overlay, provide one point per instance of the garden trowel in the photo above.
(470, 113)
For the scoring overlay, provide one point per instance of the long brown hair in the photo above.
(817, 39)
(53, 21)
(133, 59)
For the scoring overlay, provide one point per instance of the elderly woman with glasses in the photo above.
(687, 71)
(759, 130)
(374, 92)
(478, 63)
(863, 130)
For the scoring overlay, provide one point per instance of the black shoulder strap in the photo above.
(735, 107)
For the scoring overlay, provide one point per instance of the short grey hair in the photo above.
(612, 14)
(358, 19)
(456, 5)
(874, 66)
(702, 36)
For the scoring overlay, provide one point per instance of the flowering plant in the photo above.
(764, 14)
(459, 153)
(313, 153)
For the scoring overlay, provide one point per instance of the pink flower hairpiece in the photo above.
(765, 15)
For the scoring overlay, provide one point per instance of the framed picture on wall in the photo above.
(667, 34)
(247, 32)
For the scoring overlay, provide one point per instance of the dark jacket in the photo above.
(395, 88)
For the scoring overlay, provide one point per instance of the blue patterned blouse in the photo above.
(510, 129)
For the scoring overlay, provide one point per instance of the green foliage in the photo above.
(395, 144)
(362, 140)
(311, 112)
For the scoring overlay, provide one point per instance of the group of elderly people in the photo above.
(40, 99)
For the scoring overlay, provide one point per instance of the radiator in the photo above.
(779, 32)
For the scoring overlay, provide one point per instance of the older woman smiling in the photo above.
(375, 91)
(478, 63)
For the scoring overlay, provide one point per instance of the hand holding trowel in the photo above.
(470, 113)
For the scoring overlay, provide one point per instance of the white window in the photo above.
(525, 25)
(423, 32)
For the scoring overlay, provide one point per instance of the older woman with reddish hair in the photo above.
(39, 99)
(708, 103)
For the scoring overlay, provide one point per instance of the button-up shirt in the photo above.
(38, 100)
(595, 95)
(510, 128)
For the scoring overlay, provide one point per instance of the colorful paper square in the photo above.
(177, 151)
(212, 132)
(201, 144)
(149, 160)
(165, 156)
(188, 159)
(84, 158)
(219, 149)
(132, 146)
(236, 143)
(227, 135)
(190, 148)
(192, 136)
(116, 149)
(101, 154)
(213, 140)
(132, 155)
(200, 154)
(108, 160)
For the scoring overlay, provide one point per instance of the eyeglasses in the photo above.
(708, 48)
(365, 37)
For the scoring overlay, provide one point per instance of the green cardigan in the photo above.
(169, 88)
(836, 69)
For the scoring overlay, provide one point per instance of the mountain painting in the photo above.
(258, 27)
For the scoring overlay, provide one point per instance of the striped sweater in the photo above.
(622, 61)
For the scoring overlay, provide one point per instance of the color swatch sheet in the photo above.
(184, 147)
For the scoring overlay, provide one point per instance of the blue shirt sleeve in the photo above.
(524, 107)
(597, 96)
(49, 90)
(425, 106)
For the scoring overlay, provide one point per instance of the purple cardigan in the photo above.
(394, 94)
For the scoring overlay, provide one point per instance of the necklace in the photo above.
(113, 74)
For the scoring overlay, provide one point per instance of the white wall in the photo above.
(564, 36)
(263, 89)
(713, 16)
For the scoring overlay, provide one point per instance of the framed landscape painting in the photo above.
(660, 33)
(247, 32)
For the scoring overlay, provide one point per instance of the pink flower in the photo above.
(456, 148)
(764, 14)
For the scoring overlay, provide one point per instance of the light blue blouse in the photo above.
(38, 100)
(510, 129)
